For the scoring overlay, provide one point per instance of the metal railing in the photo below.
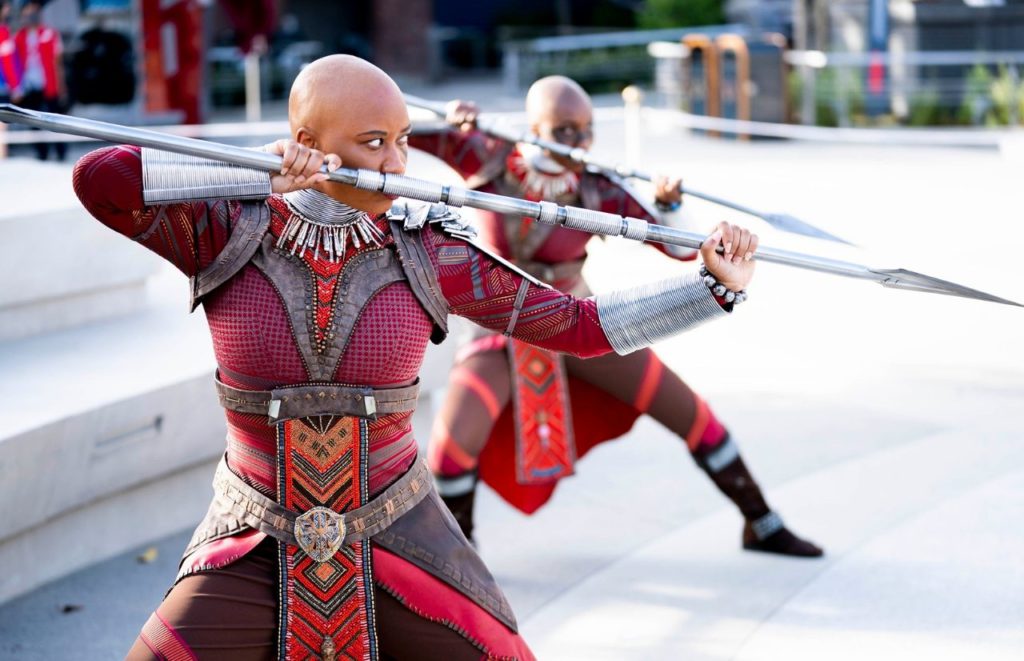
(606, 57)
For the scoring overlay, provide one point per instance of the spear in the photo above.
(586, 220)
(781, 221)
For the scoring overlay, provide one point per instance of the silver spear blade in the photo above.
(793, 225)
(780, 221)
(913, 281)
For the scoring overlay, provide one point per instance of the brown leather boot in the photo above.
(458, 493)
(763, 530)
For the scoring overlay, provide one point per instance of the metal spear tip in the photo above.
(11, 110)
(794, 225)
(913, 281)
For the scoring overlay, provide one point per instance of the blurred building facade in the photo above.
(172, 60)
(175, 58)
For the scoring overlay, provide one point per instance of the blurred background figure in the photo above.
(41, 52)
(9, 65)
(102, 67)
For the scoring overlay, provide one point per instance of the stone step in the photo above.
(113, 431)
(101, 418)
(61, 268)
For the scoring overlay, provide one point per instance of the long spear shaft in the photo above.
(595, 222)
(781, 221)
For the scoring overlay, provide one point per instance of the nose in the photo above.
(394, 161)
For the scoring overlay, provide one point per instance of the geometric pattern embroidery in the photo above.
(545, 444)
(326, 608)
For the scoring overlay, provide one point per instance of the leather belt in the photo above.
(319, 399)
(321, 531)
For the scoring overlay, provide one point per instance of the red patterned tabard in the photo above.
(329, 604)
(545, 446)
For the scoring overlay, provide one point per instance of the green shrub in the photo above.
(1007, 93)
(658, 14)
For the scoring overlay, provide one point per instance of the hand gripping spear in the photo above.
(585, 220)
(781, 221)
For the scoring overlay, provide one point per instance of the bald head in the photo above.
(559, 110)
(344, 105)
(336, 85)
(552, 96)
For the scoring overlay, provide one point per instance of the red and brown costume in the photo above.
(507, 419)
(304, 321)
(10, 63)
(40, 76)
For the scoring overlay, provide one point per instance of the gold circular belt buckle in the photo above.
(319, 532)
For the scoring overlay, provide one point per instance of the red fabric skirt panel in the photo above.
(436, 601)
(596, 416)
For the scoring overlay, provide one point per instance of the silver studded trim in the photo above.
(636, 318)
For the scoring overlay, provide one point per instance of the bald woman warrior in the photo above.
(518, 417)
(326, 538)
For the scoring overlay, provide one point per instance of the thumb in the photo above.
(708, 248)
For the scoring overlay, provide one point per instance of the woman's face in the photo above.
(372, 137)
(570, 122)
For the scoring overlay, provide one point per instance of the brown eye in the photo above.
(376, 143)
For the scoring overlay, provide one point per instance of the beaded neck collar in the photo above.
(323, 225)
(541, 177)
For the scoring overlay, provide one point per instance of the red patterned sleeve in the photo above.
(189, 235)
(484, 291)
(623, 201)
(465, 152)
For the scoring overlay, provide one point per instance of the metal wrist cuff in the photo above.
(635, 318)
(168, 178)
(767, 525)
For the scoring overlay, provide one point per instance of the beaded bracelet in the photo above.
(720, 290)
(666, 208)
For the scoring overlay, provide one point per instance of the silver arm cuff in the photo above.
(635, 318)
(168, 178)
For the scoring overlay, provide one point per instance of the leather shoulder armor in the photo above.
(407, 222)
(253, 224)
(417, 216)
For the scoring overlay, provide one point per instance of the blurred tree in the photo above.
(977, 102)
(1007, 98)
(657, 14)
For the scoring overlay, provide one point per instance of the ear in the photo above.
(306, 137)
